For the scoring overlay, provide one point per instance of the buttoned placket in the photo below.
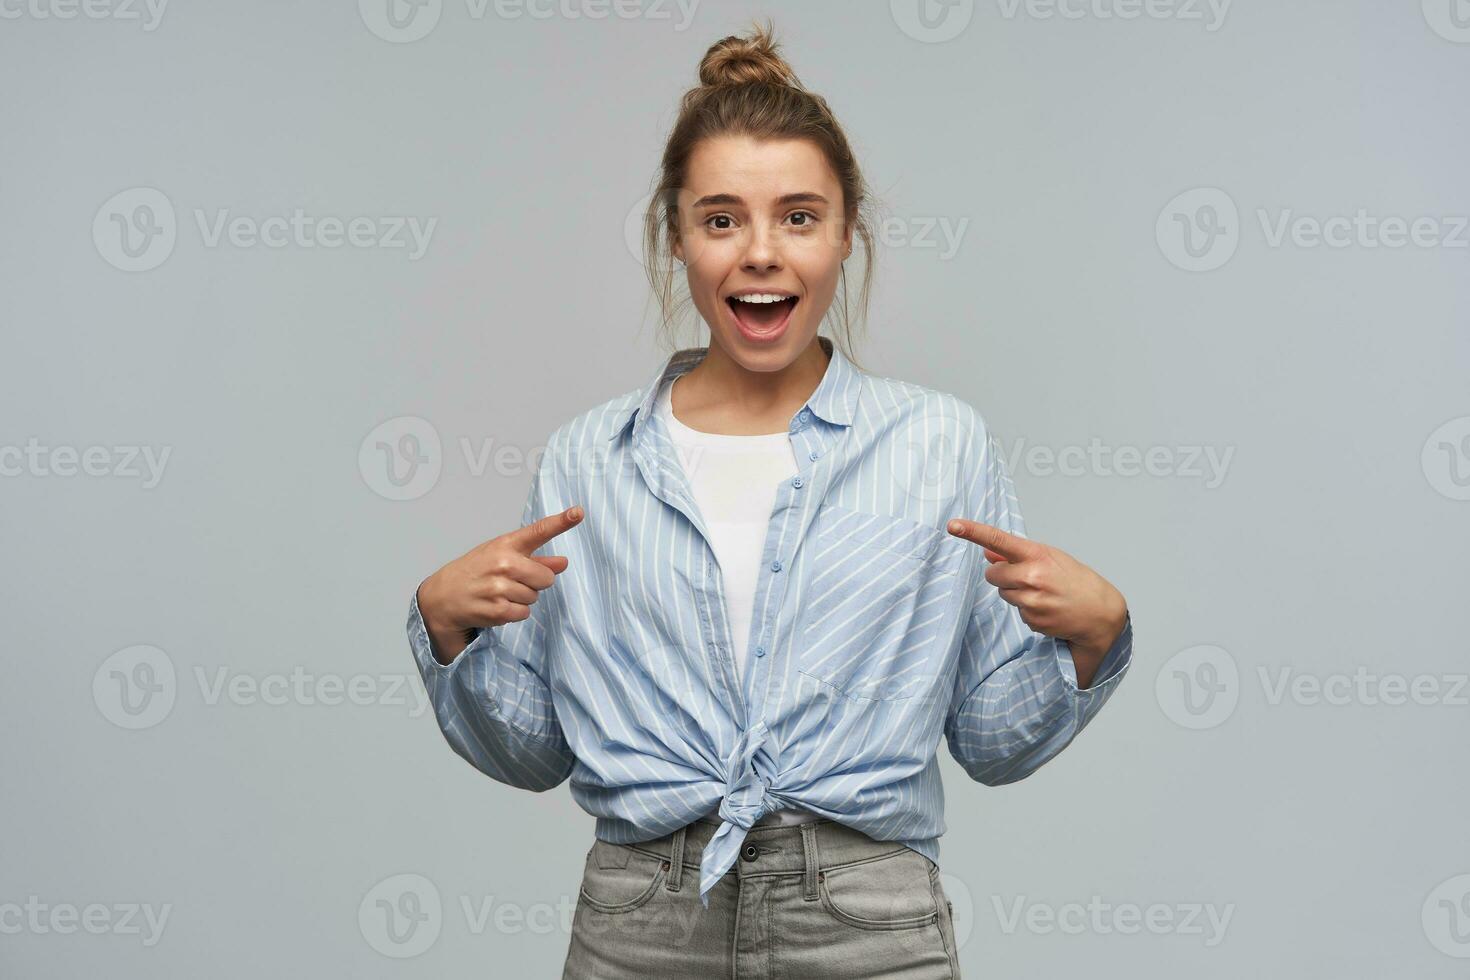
(791, 513)
(784, 532)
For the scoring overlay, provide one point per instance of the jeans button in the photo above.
(749, 852)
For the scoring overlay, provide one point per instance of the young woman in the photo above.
(781, 581)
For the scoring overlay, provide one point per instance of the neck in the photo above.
(721, 395)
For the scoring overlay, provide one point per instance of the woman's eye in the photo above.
(806, 219)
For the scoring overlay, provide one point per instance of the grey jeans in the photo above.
(804, 902)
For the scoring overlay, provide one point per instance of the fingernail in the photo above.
(575, 513)
(955, 527)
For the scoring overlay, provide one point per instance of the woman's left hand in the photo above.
(1056, 594)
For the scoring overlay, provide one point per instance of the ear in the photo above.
(847, 239)
(678, 249)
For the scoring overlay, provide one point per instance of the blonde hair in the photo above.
(747, 89)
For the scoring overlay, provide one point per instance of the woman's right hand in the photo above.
(492, 584)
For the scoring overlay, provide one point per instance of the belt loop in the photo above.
(676, 859)
(813, 860)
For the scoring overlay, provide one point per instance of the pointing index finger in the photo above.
(543, 529)
(1008, 546)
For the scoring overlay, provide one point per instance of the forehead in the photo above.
(758, 169)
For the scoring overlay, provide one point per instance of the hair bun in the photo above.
(744, 60)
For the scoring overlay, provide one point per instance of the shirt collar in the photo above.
(835, 399)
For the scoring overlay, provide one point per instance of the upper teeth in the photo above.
(762, 298)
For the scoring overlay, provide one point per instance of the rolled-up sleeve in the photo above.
(493, 702)
(1016, 701)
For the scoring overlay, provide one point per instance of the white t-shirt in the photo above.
(734, 481)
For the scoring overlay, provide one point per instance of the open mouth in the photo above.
(760, 318)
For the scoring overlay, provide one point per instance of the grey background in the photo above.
(1333, 835)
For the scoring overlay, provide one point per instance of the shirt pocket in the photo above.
(876, 604)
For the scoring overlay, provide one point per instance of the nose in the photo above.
(762, 254)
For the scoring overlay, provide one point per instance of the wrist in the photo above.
(445, 640)
(1096, 642)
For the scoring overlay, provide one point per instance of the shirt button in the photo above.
(749, 852)
(813, 454)
(796, 482)
(804, 415)
(760, 651)
(776, 565)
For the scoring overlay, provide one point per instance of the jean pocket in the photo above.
(613, 885)
(877, 593)
(889, 893)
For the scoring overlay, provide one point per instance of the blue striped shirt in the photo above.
(873, 631)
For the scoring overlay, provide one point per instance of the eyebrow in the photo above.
(800, 197)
